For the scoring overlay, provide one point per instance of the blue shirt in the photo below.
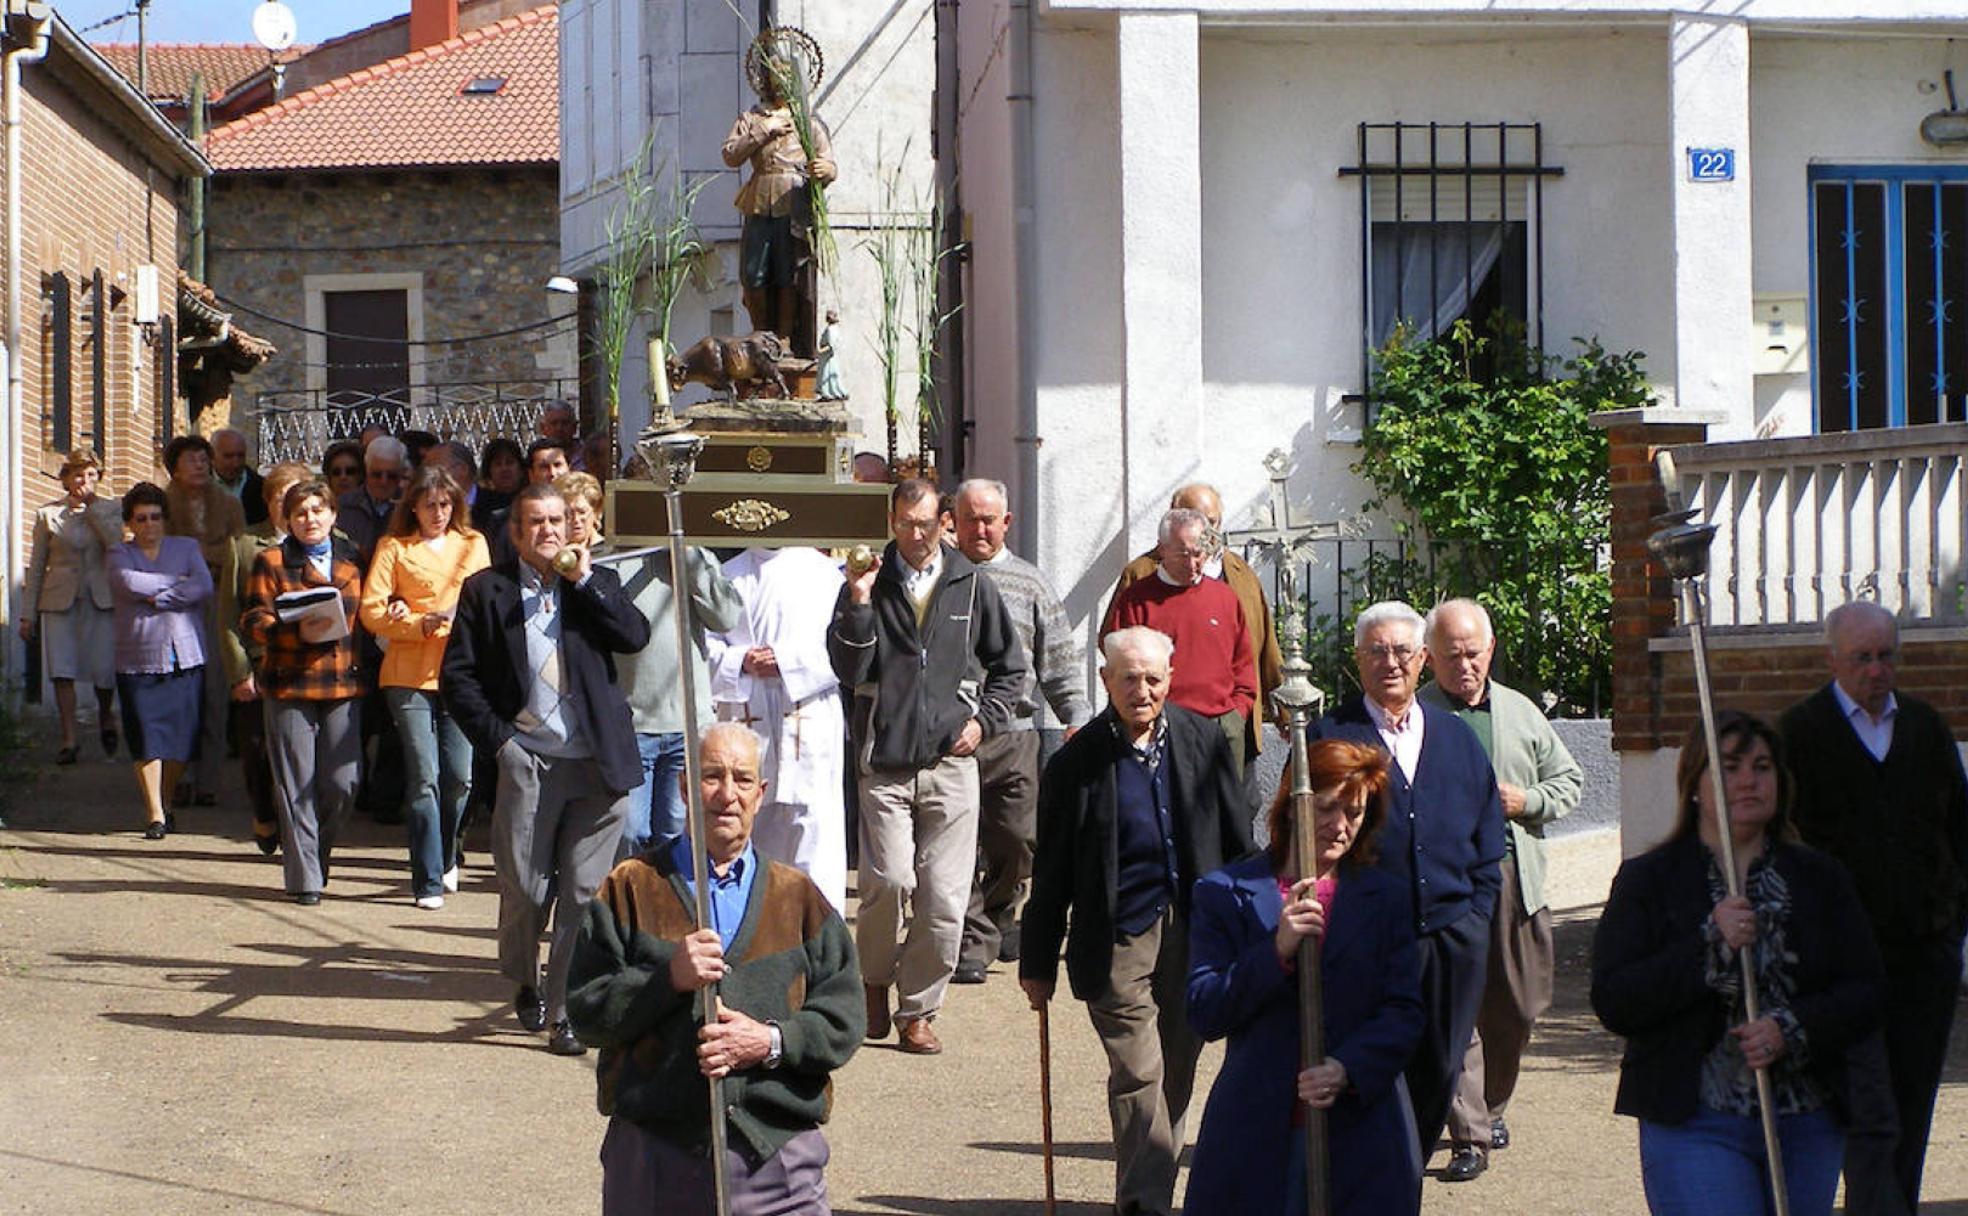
(730, 891)
(1146, 877)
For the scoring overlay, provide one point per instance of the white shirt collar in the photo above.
(1852, 709)
(1384, 721)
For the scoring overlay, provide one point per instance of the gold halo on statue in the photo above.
(786, 43)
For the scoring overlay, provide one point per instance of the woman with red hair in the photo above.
(1245, 929)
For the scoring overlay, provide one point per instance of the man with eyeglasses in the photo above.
(1879, 786)
(1539, 783)
(925, 642)
(363, 515)
(1215, 669)
(1443, 837)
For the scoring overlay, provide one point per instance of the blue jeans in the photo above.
(656, 806)
(1713, 1165)
(437, 776)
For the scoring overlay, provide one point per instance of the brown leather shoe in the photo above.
(878, 1023)
(916, 1038)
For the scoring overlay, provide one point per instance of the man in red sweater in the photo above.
(1215, 672)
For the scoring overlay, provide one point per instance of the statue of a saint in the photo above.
(828, 385)
(776, 264)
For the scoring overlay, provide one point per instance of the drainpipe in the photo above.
(33, 50)
(1025, 277)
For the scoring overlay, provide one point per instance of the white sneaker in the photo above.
(451, 879)
(430, 903)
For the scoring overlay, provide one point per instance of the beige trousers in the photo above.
(1518, 991)
(919, 848)
(1143, 1024)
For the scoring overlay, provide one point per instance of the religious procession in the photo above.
(777, 733)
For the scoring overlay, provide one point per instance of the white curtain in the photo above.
(1461, 255)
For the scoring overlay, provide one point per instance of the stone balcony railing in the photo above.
(1806, 524)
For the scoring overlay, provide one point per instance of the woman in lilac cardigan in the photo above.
(160, 584)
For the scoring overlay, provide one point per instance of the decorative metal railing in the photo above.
(300, 424)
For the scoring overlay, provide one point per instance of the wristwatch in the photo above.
(776, 1045)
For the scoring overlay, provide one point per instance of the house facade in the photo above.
(1194, 221)
(670, 78)
(92, 279)
(393, 231)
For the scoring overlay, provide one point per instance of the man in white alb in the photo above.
(771, 672)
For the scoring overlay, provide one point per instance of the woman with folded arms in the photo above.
(160, 585)
(407, 601)
(67, 590)
(309, 682)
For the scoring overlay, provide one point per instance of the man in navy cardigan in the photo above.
(1444, 840)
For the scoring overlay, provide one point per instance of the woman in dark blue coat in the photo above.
(1245, 927)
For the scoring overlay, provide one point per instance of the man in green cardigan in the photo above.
(1539, 782)
(790, 1011)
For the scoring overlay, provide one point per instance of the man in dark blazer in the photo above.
(1880, 787)
(1137, 806)
(529, 674)
(1444, 839)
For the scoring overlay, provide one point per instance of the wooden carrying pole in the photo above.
(1681, 545)
(1311, 995)
(678, 461)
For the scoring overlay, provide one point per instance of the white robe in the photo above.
(789, 602)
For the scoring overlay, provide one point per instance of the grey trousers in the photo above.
(316, 751)
(919, 846)
(645, 1175)
(212, 731)
(1516, 994)
(555, 827)
(1007, 833)
(1143, 1024)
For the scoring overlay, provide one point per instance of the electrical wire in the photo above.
(250, 311)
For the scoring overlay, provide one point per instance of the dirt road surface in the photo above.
(177, 1037)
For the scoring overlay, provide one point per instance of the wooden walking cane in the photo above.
(1045, 1100)
(1682, 546)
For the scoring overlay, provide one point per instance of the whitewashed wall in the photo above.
(673, 67)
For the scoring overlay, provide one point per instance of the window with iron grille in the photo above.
(1451, 227)
(57, 363)
(1889, 295)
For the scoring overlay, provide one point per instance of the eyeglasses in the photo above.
(1380, 653)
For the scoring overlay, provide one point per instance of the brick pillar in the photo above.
(1643, 594)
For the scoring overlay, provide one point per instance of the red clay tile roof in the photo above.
(412, 110)
(225, 65)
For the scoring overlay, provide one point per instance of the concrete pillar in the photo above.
(1708, 92)
(1161, 204)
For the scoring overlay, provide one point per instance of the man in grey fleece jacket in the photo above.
(925, 642)
(1008, 764)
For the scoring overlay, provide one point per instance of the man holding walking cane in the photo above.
(790, 1011)
(1135, 808)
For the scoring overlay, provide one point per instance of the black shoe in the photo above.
(1499, 1135)
(170, 821)
(531, 1009)
(308, 899)
(968, 973)
(563, 1042)
(154, 830)
(269, 845)
(1008, 946)
(65, 756)
(1465, 1164)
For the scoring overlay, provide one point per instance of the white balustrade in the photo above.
(1805, 524)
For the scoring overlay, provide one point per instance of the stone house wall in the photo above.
(481, 242)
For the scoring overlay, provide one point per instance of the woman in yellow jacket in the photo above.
(407, 602)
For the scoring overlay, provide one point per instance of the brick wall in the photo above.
(484, 240)
(1766, 676)
(91, 200)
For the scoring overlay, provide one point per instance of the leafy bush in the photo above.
(1486, 446)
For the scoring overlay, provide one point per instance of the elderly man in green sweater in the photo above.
(1539, 783)
(790, 1011)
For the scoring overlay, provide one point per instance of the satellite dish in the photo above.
(273, 26)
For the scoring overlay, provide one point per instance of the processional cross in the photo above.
(1286, 543)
